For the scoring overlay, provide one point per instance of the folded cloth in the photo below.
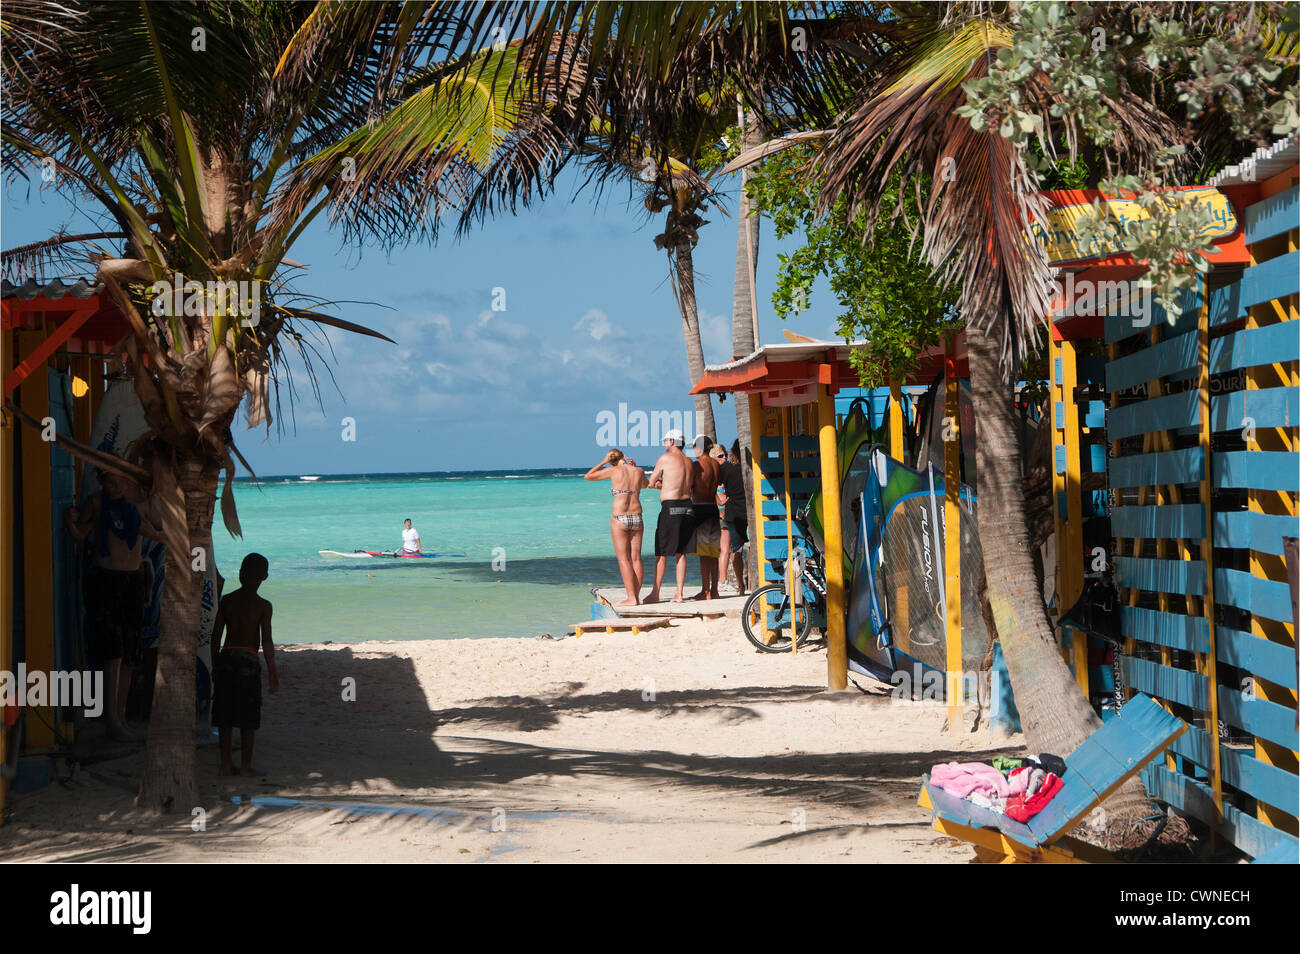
(1024, 807)
(1005, 765)
(962, 778)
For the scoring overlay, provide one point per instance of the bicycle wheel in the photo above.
(769, 608)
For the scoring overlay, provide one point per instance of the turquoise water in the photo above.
(550, 528)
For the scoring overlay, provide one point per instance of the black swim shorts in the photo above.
(237, 691)
(675, 528)
(115, 609)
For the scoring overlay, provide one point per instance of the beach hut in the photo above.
(792, 389)
(56, 340)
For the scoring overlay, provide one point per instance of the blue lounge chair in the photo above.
(1105, 761)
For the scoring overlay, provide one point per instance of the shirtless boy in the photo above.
(237, 694)
(672, 478)
(117, 590)
(708, 531)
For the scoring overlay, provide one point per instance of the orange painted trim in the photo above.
(47, 347)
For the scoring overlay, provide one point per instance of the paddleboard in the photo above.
(376, 554)
(119, 421)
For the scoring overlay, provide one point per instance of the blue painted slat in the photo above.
(1164, 358)
(1273, 216)
(774, 508)
(1096, 458)
(1254, 346)
(1276, 278)
(1258, 656)
(1167, 467)
(1161, 576)
(1247, 530)
(1259, 717)
(1058, 413)
(1225, 304)
(1266, 407)
(1239, 588)
(798, 444)
(799, 486)
(1171, 412)
(1122, 325)
(1155, 723)
(1193, 798)
(1287, 853)
(1165, 682)
(1184, 521)
(1174, 630)
(777, 528)
(1093, 414)
(1257, 470)
(1242, 771)
(1058, 458)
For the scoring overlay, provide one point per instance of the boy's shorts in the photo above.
(237, 693)
(115, 602)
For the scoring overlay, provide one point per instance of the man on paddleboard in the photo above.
(410, 538)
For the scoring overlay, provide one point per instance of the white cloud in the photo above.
(595, 323)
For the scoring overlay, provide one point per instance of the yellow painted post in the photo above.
(952, 536)
(837, 652)
(38, 543)
(790, 585)
(8, 425)
(758, 427)
(1071, 556)
(896, 450)
(1207, 662)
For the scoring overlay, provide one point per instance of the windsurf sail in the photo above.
(897, 605)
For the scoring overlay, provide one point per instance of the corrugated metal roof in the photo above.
(54, 290)
(1263, 163)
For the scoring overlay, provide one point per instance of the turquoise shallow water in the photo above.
(552, 529)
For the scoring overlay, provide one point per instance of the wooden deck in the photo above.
(727, 606)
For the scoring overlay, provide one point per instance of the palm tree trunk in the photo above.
(1054, 714)
(743, 321)
(186, 494)
(685, 273)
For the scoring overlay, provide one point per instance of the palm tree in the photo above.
(883, 84)
(209, 136)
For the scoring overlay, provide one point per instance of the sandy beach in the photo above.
(679, 744)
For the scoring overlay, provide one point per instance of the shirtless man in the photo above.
(116, 590)
(704, 487)
(237, 694)
(672, 478)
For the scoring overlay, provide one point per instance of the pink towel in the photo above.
(962, 778)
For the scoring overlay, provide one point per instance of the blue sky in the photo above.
(589, 322)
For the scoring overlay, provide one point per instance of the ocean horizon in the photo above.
(519, 549)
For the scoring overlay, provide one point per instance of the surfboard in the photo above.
(378, 554)
(120, 421)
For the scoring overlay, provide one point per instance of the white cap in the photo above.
(676, 436)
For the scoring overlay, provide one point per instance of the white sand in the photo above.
(679, 744)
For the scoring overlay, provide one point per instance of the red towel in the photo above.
(1022, 809)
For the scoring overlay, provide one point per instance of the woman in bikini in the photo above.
(627, 480)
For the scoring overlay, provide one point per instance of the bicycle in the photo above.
(787, 623)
